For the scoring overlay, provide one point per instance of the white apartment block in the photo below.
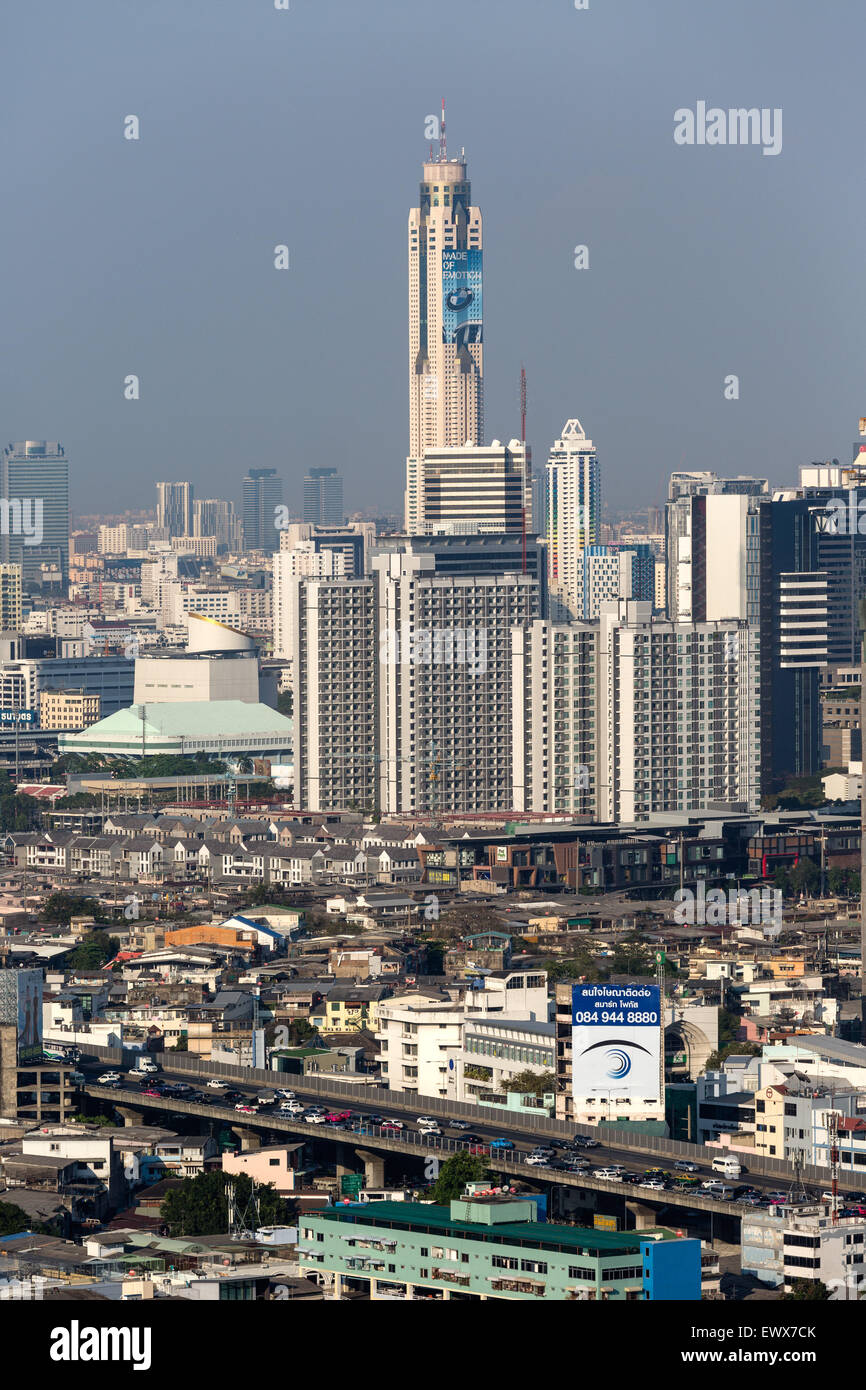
(300, 561)
(332, 628)
(420, 1042)
(679, 714)
(445, 717)
(554, 706)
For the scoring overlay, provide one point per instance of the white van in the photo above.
(728, 1167)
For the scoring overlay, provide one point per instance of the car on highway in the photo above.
(111, 1085)
(285, 1095)
(395, 1124)
(459, 1124)
(632, 1178)
(334, 1117)
(479, 1148)
(390, 1127)
(244, 1109)
(216, 1085)
(577, 1165)
(856, 1210)
(539, 1161)
(611, 1174)
(291, 1107)
(541, 1151)
(426, 1120)
(431, 1129)
(107, 1077)
(586, 1143)
(683, 1165)
(314, 1117)
(501, 1144)
(373, 1119)
(655, 1184)
(151, 1090)
(266, 1098)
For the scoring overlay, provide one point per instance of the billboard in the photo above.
(616, 1041)
(21, 1004)
(461, 297)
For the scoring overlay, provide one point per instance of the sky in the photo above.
(305, 127)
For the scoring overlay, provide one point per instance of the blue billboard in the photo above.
(616, 1041)
(461, 297)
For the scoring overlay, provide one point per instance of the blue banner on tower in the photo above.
(461, 297)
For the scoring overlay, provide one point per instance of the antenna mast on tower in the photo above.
(443, 147)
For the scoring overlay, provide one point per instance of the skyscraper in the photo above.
(573, 510)
(174, 508)
(323, 497)
(34, 489)
(446, 352)
(262, 494)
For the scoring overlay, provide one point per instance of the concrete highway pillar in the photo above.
(644, 1217)
(250, 1141)
(130, 1116)
(374, 1167)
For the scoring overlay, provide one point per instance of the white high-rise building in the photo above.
(303, 560)
(446, 352)
(446, 722)
(679, 711)
(573, 511)
(474, 489)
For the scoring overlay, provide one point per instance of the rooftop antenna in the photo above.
(443, 148)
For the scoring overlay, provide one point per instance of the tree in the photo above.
(455, 1173)
(284, 703)
(581, 965)
(807, 1291)
(532, 1083)
(13, 1220)
(199, 1206)
(62, 907)
(93, 953)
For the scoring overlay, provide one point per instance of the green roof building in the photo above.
(490, 1245)
(223, 728)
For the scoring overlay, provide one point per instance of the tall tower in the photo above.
(446, 352)
(34, 502)
(573, 509)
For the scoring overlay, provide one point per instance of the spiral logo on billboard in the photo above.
(621, 1063)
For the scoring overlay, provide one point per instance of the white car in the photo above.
(216, 1085)
(285, 1095)
(291, 1107)
(315, 1119)
(429, 1129)
(537, 1161)
(426, 1120)
(107, 1076)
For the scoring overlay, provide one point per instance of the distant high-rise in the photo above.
(323, 497)
(34, 489)
(213, 516)
(174, 508)
(446, 351)
(262, 494)
(10, 598)
(573, 509)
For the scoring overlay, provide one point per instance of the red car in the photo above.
(390, 1126)
(478, 1149)
(151, 1091)
(335, 1117)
